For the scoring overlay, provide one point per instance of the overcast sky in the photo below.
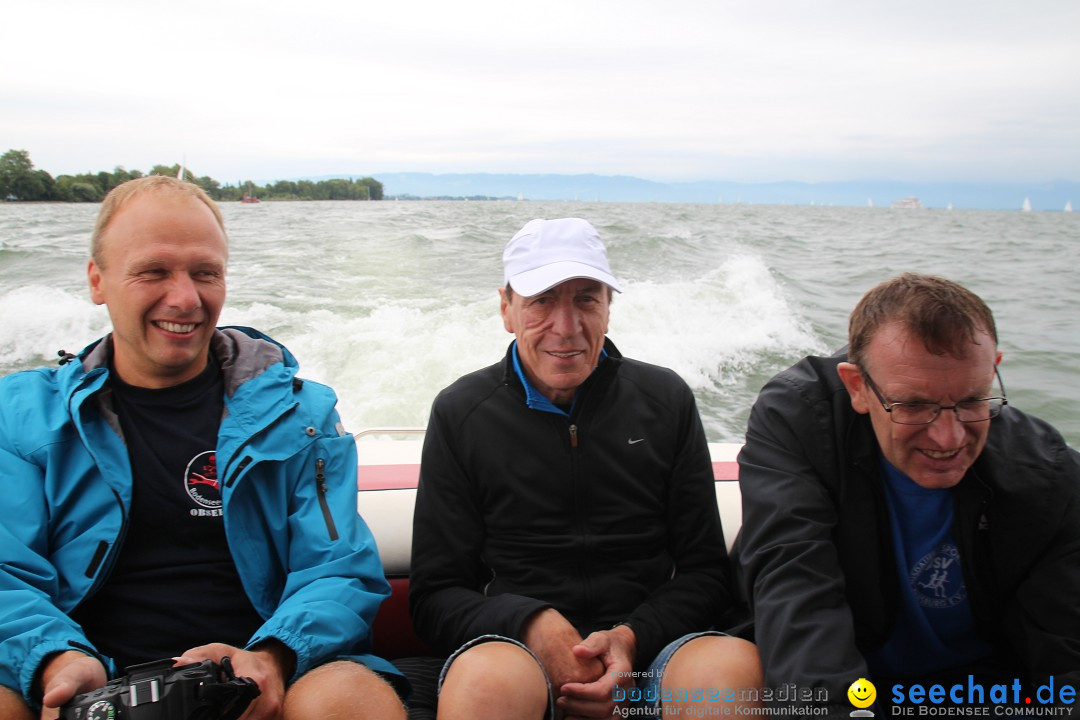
(752, 90)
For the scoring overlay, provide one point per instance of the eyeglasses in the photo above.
(922, 413)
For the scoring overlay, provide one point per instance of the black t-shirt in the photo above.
(174, 585)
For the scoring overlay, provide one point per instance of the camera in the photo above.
(159, 691)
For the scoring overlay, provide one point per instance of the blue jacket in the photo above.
(306, 559)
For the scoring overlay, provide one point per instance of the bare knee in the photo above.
(342, 689)
(498, 678)
(12, 706)
(715, 661)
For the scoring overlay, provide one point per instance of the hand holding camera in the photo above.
(159, 691)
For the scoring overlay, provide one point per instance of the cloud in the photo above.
(671, 91)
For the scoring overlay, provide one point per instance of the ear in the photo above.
(856, 386)
(504, 310)
(93, 275)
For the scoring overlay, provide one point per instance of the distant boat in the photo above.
(869, 202)
(248, 198)
(1068, 206)
(949, 206)
(1026, 206)
(908, 203)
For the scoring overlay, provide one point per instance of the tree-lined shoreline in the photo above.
(20, 181)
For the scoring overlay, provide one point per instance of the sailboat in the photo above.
(1068, 206)
(1027, 206)
(248, 198)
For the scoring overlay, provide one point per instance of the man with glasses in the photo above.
(900, 522)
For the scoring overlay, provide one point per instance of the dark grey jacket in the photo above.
(815, 552)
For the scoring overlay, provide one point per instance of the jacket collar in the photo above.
(610, 357)
(243, 352)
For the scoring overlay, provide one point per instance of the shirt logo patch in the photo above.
(937, 579)
(201, 480)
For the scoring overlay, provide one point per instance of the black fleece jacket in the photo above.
(608, 516)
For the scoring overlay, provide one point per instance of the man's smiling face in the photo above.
(162, 276)
(937, 455)
(560, 334)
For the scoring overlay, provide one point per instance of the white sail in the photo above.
(1027, 205)
(1068, 206)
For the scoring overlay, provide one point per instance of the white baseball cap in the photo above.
(545, 253)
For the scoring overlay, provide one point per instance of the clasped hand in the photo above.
(583, 673)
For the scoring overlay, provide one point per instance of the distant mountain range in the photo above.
(602, 188)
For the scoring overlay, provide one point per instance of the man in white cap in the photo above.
(567, 550)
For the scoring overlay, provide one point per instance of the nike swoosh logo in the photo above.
(634, 442)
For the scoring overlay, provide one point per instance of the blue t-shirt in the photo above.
(935, 628)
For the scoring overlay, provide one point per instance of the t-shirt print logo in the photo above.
(937, 579)
(201, 480)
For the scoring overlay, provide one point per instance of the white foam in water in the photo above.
(386, 366)
(38, 321)
(392, 301)
(711, 330)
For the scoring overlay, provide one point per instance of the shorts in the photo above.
(648, 683)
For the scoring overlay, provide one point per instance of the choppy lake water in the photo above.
(388, 302)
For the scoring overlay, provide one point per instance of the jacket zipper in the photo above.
(103, 557)
(239, 469)
(576, 480)
(320, 486)
(234, 474)
(101, 566)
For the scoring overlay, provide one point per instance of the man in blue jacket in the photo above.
(175, 491)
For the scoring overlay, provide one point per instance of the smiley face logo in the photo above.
(862, 693)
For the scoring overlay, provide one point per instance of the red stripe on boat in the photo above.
(404, 477)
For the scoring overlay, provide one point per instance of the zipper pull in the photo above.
(239, 469)
(320, 487)
(573, 436)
